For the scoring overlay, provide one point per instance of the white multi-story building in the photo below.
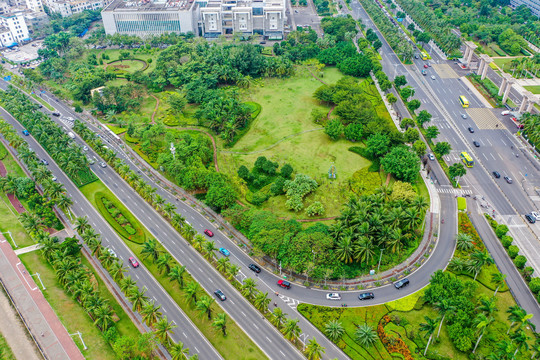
(6, 39)
(35, 5)
(534, 5)
(148, 17)
(245, 17)
(17, 26)
(68, 8)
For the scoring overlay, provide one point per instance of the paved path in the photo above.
(27, 249)
(45, 327)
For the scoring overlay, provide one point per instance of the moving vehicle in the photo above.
(508, 179)
(224, 251)
(221, 296)
(366, 296)
(424, 72)
(432, 77)
(471, 130)
(530, 218)
(284, 284)
(506, 112)
(111, 251)
(254, 268)
(208, 232)
(517, 123)
(133, 262)
(85, 148)
(91, 161)
(401, 283)
(463, 101)
(103, 164)
(333, 296)
(25, 132)
(44, 162)
(425, 66)
(424, 55)
(467, 159)
(536, 215)
(463, 116)
(496, 174)
(71, 135)
(476, 143)
(431, 157)
(56, 113)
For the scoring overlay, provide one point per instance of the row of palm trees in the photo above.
(68, 155)
(176, 272)
(364, 334)
(150, 312)
(531, 127)
(475, 261)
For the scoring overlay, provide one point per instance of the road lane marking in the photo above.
(267, 338)
(243, 313)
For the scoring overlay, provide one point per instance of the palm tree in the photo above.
(278, 318)
(159, 201)
(344, 249)
(482, 322)
(233, 270)
(177, 274)
(162, 328)
(261, 301)
(137, 298)
(364, 250)
(365, 335)
(31, 222)
(220, 323)
(457, 264)
(498, 279)
(48, 246)
(64, 203)
(520, 339)
(429, 328)
(198, 243)
(191, 290)
(169, 209)
(465, 242)
(188, 232)
(223, 264)
(209, 248)
(127, 284)
(479, 259)
(249, 287)
(164, 263)
(103, 317)
(517, 315)
(314, 350)
(150, 313)
(334, 330)
(117, 270)
(291, 329)
(150, 250)
(204, 305)
(488, 306)
(444, 307)
(178, 351)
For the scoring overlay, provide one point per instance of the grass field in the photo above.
(237, 345)
(129, 66)
(73, 315)
(504, 62)
(535, 89)
(5, 350)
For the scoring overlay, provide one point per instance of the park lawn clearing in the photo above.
(94, 192)
(73, 316)
(10, 222)
(505, 62)
(535, 89)
(461, 203)
(311, 153)
(127, 65)
(116, 129)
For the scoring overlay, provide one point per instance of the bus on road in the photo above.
(424, 55)
(464, 102)
(467, 159)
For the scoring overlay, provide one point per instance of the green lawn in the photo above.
(42, 102)
(504, 62)
(73, 315)
(129, 66)
(535, 89)
(5, 350)
(237, 345)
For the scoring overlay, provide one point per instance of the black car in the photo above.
(476, 143)
(221, 296)
(471, 130)
(401, 283)
(496, 174)
(255, 268)
(56, 113)
(508, 179)
(530, 218)
(366, 296)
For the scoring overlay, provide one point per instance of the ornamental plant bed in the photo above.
(120, 219)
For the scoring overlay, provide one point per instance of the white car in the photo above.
(431, 157)
(111, 251)
(432, 77)
(536, 215)
(333, 296)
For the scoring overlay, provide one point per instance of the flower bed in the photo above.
(391, 343)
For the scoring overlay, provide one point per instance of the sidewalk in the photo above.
(48, 332)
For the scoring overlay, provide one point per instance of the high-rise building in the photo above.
(148, 17)
(534, 5)
(70, 7)
(17, 26)
(245, 17)
(35, 5)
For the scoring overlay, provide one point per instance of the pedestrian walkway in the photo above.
(27, 249)
(459, 192)
(50, 335)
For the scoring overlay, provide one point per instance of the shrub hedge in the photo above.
(122, 221)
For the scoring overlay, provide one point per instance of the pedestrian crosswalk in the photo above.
(293, 303)
(458, 192)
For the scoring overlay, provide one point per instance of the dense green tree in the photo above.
(334, 129)
(402, 163)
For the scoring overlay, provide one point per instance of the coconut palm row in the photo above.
(68, 155)
(149, 311)
(43, 177)
(531, 127)
(476, 261)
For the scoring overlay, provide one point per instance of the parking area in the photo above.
(306, 16)
(25, 53)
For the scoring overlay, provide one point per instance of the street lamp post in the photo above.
(380, 258)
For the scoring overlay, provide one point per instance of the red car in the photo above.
(208, 232)
(425, 66)
(134, 262)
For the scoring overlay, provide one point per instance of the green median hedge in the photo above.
(115, 214)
